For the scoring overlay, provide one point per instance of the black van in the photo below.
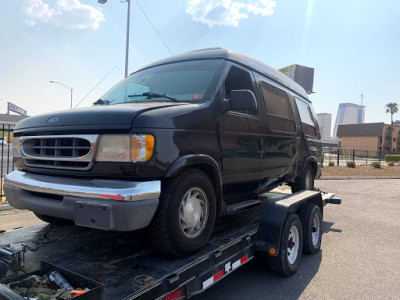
(171, 147)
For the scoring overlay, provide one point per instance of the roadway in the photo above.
(359, 257)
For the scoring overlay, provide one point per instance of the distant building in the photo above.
(325, 121)
(7, 123)
(349, 113)
(7, 118)
(370, 136)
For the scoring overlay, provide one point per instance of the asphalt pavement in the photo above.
(359, 257)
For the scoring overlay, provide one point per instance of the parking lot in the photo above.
(360, 257)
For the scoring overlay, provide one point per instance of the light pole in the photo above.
(127, 34)
(70, 88)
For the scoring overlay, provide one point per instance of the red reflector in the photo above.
(218, 275)
(244, 259)
(116, 197)
(173, 295)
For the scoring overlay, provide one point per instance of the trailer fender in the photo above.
(270, 230)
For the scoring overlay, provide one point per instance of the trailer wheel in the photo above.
(186, 213)
(287, 261)
(304, 181)
(311, 219)
(53, 220)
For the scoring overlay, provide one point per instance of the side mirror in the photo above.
(243, 100)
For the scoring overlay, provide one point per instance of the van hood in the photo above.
(119, 117)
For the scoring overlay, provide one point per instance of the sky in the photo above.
(353, 45)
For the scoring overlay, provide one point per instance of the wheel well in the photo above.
(211, 174)
(314, 167)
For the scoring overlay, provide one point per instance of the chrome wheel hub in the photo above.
(293, 245)
(315, 231)
(193, 212)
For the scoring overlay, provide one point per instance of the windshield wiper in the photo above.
(150, 95)
(101, 102)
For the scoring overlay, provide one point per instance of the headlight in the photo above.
(16, 147)
(125, 148)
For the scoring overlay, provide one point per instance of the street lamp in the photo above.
(127, 34)
(70, 88)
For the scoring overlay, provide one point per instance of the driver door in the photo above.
(241, 137)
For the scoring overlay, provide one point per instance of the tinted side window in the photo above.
(239, 79)
(279, 112)
(306, 117)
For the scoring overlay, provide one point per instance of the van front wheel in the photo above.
(186, 213)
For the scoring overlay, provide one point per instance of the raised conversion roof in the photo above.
(241, 59)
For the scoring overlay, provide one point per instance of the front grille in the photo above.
(60, 152)
(57, 147)
(56, 164)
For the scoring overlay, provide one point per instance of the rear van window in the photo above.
(279, 112)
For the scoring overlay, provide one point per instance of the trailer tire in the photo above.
(185, 215)
(311, 219)
(286, 263)
(53, 220)
(304, 181)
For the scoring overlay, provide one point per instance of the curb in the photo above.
(356, 178)
(4, 207)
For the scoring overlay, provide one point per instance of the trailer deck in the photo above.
(127, 265)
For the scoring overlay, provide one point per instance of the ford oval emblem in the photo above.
(52, 120)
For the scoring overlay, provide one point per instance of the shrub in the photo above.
(351, 164)
(331, 163)
(322, 158)
(392, 157)
(390, 163)
(376, 165)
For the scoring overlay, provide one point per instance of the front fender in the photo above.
(203, 162)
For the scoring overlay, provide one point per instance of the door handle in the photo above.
(261, 146)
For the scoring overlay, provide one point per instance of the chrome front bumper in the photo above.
(87, 188)
(96, 203)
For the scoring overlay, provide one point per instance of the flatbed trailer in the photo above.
(126, 266)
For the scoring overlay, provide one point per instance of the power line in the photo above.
(95, 86)
(153, 27)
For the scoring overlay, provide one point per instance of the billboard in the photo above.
(304, 76)
(16, 109)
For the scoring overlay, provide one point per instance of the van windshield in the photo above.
(188, 81)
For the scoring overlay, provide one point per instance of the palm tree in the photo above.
(391, 108)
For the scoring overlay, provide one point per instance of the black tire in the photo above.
(286, 263)
(53, 220)
(304, 181)
(311, 219)
(167, 230)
